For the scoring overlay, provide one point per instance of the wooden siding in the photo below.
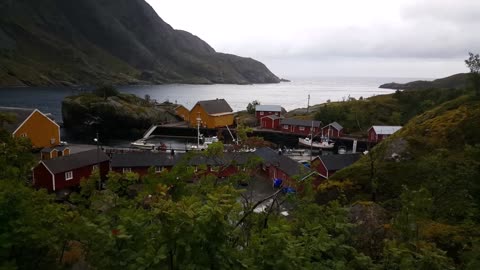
(209, 121)
(267, 122)
(260, 114)
(183, 112)
(42, 178)
(40, 129)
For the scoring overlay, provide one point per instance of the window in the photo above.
(313, 129)
(159, 169)
(196, 169)
(69, 175)
(285, 126)
(261, 113)
(52, 141)
(23, 135)
(125, 170)
(214, 169)
(301, 128)
(94, 167)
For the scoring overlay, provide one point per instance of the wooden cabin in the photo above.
(66, 172)
(378, 133)
(332, 130)
(327, 165)
(266, 110)
(298, 126)
(212, 113)
(270, 122)
(53, 152)
(183, 112)
(32, 124)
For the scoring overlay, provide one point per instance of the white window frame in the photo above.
(125, 170)
(53, 140)
(261, 113)
(68, 175)
(214, 168)
(301, 128)
(24, 135)
(159, 169)
(94, 167)
(285, 126)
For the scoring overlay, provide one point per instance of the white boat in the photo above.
(142, 144)
(324, 144)
(206, 142)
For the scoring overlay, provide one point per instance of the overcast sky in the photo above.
(379, 38)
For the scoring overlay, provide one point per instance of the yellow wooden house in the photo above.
(32, 124)
(183, 112)
(212, 113)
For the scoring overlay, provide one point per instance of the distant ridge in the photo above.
(58, 42)
(457, 81)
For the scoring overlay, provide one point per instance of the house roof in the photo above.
(268, 108)
(284, 163)
(20, 114)
(75, 161)
(149, 159)
(335, 125)
(338, 162)
(386, 130)
(215, 106)
(299, 122)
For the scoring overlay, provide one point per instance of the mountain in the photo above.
(457, 81)
(57, 42)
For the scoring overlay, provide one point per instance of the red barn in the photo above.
(332, 130)
(66, 171)
(327, 165)
(270, 122)
(297, 126)
(378, 133)
(266, 110)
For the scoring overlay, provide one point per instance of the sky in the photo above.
(308, 38)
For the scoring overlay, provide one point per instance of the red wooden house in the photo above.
(66, 171)
(302, 127)
(327, 165)
(270, 122)
(378, 133)
(332, 130)
(266, 110)
(277, 166)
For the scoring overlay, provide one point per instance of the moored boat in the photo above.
(324, 144)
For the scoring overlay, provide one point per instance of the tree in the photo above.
(473, 63)
(251, 106)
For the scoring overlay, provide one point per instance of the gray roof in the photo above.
(386, 130)
(299, 122)
(215, 106)
(335, 125)
(20, 114)
(75, 161)
(149, 159)
(268, 108)
(338, 162)
(284, 163)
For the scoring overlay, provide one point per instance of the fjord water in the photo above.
(290, 95)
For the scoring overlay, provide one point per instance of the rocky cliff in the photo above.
(457, 81)
(57, 42)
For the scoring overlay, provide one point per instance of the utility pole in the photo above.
(308, 104)
(97, 140)
(198, 131)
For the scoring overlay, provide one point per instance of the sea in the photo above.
(291, 95)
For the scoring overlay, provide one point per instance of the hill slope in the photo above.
(457, 81)
(54, 42)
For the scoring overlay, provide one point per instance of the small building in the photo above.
(53, 152)
(298, 126)
(66, 172)
(212, 113)
(34, 125)
(327, 165)
(378, 133)
(183, 112)
(270, 122)
(141, 162)
(277, 166)
(332, 130)
(266, 110)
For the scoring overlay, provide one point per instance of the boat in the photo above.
(142, 144)
(324, 144)
(206, 142)
(342, 150)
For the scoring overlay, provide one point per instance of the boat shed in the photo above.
(212, 113)
(266, 110)
(332, 130)
(298, 126)
(270, 122)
